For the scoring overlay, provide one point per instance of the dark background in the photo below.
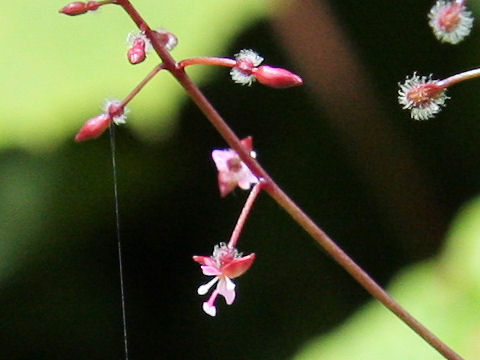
(64, 303)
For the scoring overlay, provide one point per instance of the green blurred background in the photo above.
(386, 188)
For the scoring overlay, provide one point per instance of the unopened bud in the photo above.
(276, 77)
(79, 7)
(93, 5)
(166, 38)
(94, 127)
(74, 8)
(136, 54)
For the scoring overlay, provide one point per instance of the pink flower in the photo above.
(423, 96)
(451, 21)
(226, 263)
(232, 172)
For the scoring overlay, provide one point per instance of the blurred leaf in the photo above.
(444, 294)
(57, 70)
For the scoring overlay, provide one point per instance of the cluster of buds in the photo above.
(424, 97)
(140, 44)
(226, 262)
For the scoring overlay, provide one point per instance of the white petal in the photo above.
(230, 284)
(209, 309)
(226, 288)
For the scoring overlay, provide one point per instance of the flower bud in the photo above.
(167, 39)
(93, 5)
(94, 127)
(75, 8)
(136, 54)
(276, 77)
(79, 7)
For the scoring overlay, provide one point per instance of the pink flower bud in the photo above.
(75, 8)
(93, 5)
(136, 54)
(94, 127)
(276, 77)
(79, 7)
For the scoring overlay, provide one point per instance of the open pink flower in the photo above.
(232, 172)
(226, 263)
(450, 20)
(423, 96)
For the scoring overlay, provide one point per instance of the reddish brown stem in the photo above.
(455, 79)
(281, 197)
(216, 61)
(142, 83)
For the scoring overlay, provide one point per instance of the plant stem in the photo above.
(283, 200)
(142, 83)
(216, 61)
(244, 214)
(455, 79)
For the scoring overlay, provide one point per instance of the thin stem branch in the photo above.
(216, 61)
(281, 197)
(142, 83)
(244, 214)
(455, 79)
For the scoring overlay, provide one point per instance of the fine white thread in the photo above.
(119, 243)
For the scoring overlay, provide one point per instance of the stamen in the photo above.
(203, 289)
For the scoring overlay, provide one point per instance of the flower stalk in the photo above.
(236, 265)
(457, 78)
(425, 97)
(282, 198)
(244, 214)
